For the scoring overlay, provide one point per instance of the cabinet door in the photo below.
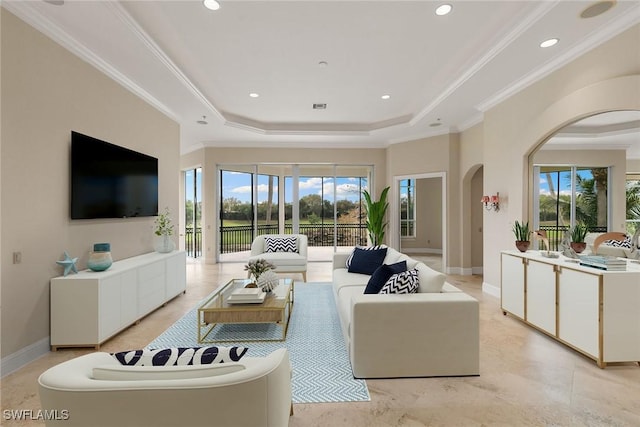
(578, 310)
(176, 274)
(541, 296)
(109, 306)
(151, 287)
(512, 284)
(129, 298)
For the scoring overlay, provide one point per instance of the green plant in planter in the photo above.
(521, 231)
(376, 211)
(164, 227)
(578, 233)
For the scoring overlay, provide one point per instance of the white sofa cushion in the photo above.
(142, 373)
(429, 279)
(282, 258)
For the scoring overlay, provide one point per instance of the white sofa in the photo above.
(284, 262)
(413, 335)
(255, 391)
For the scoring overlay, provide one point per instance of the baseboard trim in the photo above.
(459, 271)
(494, 291)
(24, 356)
(421, 251)
(477, 270)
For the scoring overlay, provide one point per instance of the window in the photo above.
(633, 203)
(568, 195)
(408, 208)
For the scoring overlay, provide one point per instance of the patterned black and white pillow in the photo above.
(364, 248)
(626, 243)
(402, 283)
(177, 356)
(281, 244)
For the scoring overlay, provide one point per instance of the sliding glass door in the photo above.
(193, 212)
(569, 195)
(322, 201)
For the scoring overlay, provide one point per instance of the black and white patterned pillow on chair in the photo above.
(402, 283)
(177, 356)
(281, 244)
(626, 243)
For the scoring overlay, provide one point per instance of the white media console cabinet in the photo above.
(593, 311)
(90, 307)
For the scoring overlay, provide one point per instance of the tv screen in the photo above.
(109, 181)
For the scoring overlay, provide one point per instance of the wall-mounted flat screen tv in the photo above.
(109, 181)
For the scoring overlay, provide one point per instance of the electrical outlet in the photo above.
(17, 257)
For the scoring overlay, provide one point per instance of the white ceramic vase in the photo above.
(164, 244)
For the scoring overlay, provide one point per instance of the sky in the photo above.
(565, 182)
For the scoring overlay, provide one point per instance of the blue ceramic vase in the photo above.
(100, 258)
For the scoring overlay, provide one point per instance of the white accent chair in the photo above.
(284, 262)
(255, 391)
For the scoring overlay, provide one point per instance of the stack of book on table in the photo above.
(246, 296)
(608, 263)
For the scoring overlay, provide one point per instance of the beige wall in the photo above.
(212, 157)
(47, 93)
(471, 160)
(476, 215)
(438, 154)
(633, 166)
(607, 78)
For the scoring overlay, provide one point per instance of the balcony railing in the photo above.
(193, 241)
(556, 233)
(239, 238)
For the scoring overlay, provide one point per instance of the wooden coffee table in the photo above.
(276, 308)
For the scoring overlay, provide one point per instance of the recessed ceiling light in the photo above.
(254, 95)
(385, 96)
(319, 106)
(203, 121)
(597, 9)
(323, 64)
(549, 43)
(211, 4)
(55, 2)
(443, 9)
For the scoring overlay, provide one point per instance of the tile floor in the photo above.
(526, 378)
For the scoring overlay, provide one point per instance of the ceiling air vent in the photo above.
(319, 106)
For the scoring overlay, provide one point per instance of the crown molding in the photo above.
(333, 129)
(533, 17)
(607, 32)
(26, 12)
(294, 145)
(135, 28)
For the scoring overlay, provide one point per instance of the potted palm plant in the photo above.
(376, 211)
(578, 233)
(522, 234)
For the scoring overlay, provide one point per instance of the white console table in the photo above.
(90, 307)
(593, 311)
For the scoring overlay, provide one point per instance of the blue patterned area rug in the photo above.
(321, 367)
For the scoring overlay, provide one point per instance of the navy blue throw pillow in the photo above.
(382, 274)
(366, 261)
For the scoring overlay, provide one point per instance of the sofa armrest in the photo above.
(416, 335)
(340, 259)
